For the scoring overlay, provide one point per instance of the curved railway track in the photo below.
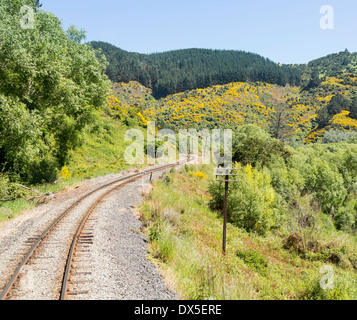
(80, 237)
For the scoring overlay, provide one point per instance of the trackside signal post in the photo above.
(223, 172)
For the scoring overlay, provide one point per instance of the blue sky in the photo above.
(285, 31)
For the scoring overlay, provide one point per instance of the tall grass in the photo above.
(186, 243)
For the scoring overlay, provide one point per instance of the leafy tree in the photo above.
(52, 82)
(252, 145)
(346, 217)
(353, 108)
(335, 106)
(327, 184)
(334, 136)
(76, 34)
(332, 64)
(37, 4)
(314, 80)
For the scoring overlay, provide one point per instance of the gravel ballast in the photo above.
(114, 266)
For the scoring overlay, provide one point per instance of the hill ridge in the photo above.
(185, 69)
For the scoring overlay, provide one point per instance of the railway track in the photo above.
(80, 238)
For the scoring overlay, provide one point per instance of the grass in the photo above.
(11, 209)
(186, 243)
(101, 153)
(103, 149)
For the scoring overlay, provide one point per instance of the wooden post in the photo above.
(226, 181)
(225, 207)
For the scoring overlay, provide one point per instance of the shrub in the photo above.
(65, 173)
(327, 184)
(255, 260)
(341, 290)
(285, 180)
(200, 175)
(9, 191)
(346, 217)
(252, 202)
(4, 188)
(252, 145)
(333, 136)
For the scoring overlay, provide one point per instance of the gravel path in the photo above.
(113, 267)
(119, 267)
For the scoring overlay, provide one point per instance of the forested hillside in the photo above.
(330, 85)
(180, 70)
(212, 88)
(334, 64)
(290, 114)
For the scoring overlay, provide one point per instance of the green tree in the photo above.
(252, 145)
(327, 185)
(54, 81)
(181, 70)
(353, 108)
(335, 106)
(76, 34)
(37, 4)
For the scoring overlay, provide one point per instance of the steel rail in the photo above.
(16, 273)
(65, 281)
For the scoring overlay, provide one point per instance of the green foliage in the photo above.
(286, 180)
(189, 252)
(353, 108)
(316, 293)
(324, 180)
(50, 85)
(76, 34)
(333, 64)
(254, 260)
(177, 71)
(9, 191)
(100, 153)
(313, 82)
(252, 145)
(327, 171)
(346, 217)
(22, 148)
(335, 106)
(252, 202)
(186, 237)
(347, 165)
(335, 135)
(343, 288)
